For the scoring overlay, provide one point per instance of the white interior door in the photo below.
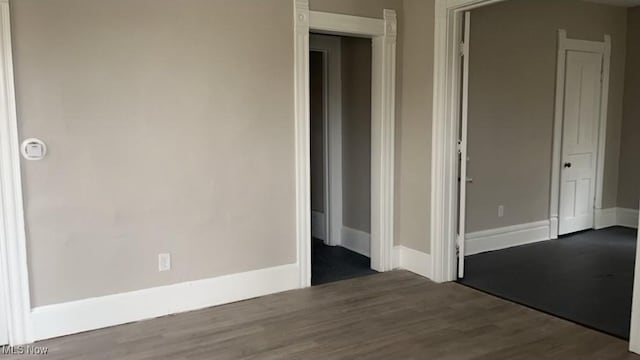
(581, 117)
(462, 149)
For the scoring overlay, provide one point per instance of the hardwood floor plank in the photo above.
(394, 315)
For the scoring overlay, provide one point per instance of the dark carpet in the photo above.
(585, 277)
(334, 263)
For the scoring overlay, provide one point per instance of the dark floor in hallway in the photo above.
(334, 263)
(585, 277)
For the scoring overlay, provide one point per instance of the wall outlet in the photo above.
(501, 211)
(164, 262)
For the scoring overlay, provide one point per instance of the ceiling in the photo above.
(625, 3)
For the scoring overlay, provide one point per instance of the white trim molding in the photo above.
(383, 90)
(13, 253)
(604, 49)
(318, 225)
(605, 218)
(412, 260)
(383, 33)
(627, 218)
(99, 312)
(302, 141)
(356, 240)
(338, 24)
(506, 237)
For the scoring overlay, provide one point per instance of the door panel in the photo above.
(583, 89)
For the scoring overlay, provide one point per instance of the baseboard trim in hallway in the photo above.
(506, 237)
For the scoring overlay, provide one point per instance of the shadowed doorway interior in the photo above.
(340, 119)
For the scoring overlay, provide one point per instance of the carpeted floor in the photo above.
(334, 263)
(585, 277)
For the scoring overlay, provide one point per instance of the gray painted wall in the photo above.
(316, 105)
(511, 104)
(356, 133)
(629, 182)
(413, 127)
(164, 136)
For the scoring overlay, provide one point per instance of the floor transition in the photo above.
(334, 263)
(394, 315)
(585, 277)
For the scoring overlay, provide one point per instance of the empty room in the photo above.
(319, 179)
(551, 210)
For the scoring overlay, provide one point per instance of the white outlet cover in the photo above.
(164, 262)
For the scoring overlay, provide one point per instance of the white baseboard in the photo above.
(604, 218)
(506, 237)
(627, 217)
(356, 240)
(94, 313)
(318, 225)
(412, 260)
(553, 227)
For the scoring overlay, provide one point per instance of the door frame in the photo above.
(14, 284)
(383, 33)
(444, 152)
(330, 46)
(603, 48)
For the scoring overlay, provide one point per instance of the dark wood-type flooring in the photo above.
(586, 277)
(394, 315)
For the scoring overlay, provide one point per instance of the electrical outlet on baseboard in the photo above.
(501, 211)
(164, 262)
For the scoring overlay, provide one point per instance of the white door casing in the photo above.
(383, 33)
(14, 283)
(582, 88)
(462, 147)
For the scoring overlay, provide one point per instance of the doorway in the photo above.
(340, 133)
(533, 123)
(383, 33)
